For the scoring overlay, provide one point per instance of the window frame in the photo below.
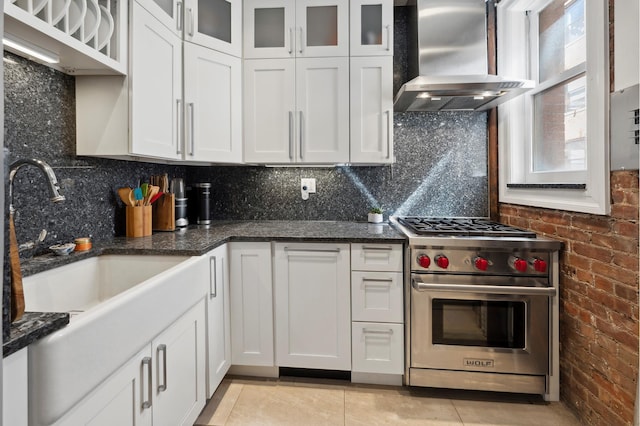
(587, 191)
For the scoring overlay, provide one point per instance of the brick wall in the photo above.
(598, 301)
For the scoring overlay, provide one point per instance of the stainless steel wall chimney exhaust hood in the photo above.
(452, 61)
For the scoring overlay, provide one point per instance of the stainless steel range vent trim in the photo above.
(452, 61)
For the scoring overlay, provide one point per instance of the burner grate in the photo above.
(462, 227)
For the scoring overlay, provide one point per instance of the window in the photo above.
(553, 141)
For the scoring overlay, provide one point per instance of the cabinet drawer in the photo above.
(377, 296)
(376, 257)
(377, 348)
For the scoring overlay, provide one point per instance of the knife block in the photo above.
(138, 221)
(164, 213)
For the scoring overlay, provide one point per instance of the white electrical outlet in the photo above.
(307, 186)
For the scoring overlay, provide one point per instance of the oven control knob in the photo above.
(424, 261)
(481, 263)
(519, 264)
(539, 265)
(442, 261)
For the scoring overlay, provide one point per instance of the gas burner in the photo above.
(462, 227)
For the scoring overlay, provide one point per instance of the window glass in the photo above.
(561, 37)
(560, 127)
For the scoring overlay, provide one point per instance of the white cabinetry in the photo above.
(297, 111)
(160, 385)
(371, 27)
(251, 304)
(48, 30)
(156, 87)
(146, 116)
(216, 24)
(213, 105)
(123, 399)
(371, 86)
(302, 28)
(377, 312)
(318, 109)
(15, 392)
(312, 305)
(218, 319)
(168, 12)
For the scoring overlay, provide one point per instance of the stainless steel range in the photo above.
(482, 306)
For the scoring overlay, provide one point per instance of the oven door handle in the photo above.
(491, 289)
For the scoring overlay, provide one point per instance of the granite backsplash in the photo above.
(440, 169)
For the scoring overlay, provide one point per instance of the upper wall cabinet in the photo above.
(296, 111)
(213, 105)
(147, 116)
(371, 27)
(303, 28)
(216, 24)
(62, 39)
(169, 12)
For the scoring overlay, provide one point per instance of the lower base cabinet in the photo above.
(218, 319)
(161, 385)
(15, 392)
(378, 347)
(312, 303)
(251, 302)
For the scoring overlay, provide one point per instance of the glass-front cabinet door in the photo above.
(269, 29)
(303, 28)
(216, 24)
(323, 28)
(371, 27)
(169, 12)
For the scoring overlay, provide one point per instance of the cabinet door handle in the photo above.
(190, 13)
(179, 127)
(291, 135)
(376, 331)
(301, 137)
(146, 361)
(387, 248)
(179, 15)
(213, 281)
(290, 40)
(389, 130)
(162, 348)
(301, 41)
(191, 113)
(335, 250)
(388, 28)
(377, 280)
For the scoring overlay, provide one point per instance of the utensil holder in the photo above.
(138, 221)
(164, 213)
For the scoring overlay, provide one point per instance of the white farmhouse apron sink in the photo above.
(117, 304)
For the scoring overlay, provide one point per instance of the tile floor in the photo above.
(301, 401)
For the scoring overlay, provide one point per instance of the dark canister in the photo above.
(202, 208)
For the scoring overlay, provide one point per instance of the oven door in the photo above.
(471, 323)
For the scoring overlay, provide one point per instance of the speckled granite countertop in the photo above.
(193, 241)
(31, 327)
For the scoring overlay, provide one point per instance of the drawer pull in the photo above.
(377, 331)
(388, 281)
(335, 250)
(387, 248)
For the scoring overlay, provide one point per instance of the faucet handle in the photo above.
(32, 244)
